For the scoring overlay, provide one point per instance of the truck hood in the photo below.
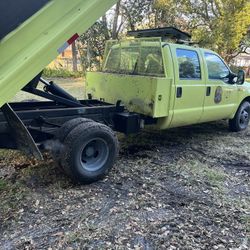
(246, 85)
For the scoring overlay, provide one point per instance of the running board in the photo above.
(23, 138)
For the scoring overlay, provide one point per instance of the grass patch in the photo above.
(13, 198)
(215, 177)
(246, 221)
(3, 184)
(74, 237)
(4, 153)
(61, 73)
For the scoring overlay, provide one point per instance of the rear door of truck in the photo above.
(190, 85)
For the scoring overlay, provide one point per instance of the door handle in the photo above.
(208, 91)
(179, 92)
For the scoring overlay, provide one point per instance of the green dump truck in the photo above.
(145, 81)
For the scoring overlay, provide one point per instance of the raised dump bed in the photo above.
(33, 33)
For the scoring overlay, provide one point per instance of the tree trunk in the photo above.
(74, 57)
(116, 17)
(105, 24)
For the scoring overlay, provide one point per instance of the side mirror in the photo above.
(241, 77)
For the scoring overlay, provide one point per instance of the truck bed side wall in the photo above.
(145, 95)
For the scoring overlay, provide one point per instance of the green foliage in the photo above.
(236, 69)
(169, 13)
(92, 45)
(128, 15)
(61, 73)
(220, 25)
(227, 29)
(245, 44)
(134, 12)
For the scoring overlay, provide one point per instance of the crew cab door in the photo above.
(189, 85)
(221, 94)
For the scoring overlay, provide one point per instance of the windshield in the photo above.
(133, 58)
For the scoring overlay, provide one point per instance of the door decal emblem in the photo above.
(218, 95)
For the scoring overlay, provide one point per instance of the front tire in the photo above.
(89, 152)
(241, 119)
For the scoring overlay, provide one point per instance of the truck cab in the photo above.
(174, 83)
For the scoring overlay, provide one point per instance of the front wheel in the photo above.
(241, 119)
(89, 152)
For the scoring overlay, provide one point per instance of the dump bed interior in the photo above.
(32, 34)
(17, 12)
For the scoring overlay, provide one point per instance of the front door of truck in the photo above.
(221, 94)
(189, 84)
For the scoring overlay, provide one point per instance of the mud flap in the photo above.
(21, 134)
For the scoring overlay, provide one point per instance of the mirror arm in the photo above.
(231, 78)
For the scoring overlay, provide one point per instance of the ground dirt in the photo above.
(185, 188)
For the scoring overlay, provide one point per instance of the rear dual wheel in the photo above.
(89, 150)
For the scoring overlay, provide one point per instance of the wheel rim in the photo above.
(94, 155)
(244, 118)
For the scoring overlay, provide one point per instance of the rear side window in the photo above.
(189, 64)
(217, 69)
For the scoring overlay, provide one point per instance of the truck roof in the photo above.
(188, 47)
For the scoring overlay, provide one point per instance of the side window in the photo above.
(216, 67)
(151, 63)
(189, 64)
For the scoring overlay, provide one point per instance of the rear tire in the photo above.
(89, 152)
(241, 119)
(68, 126)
